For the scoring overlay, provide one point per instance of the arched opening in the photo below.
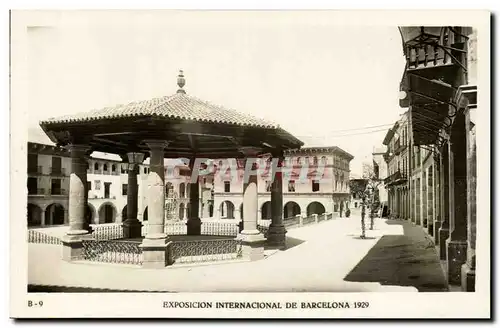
(107, 213)
(145, 214)
(226, 210)
(181, 211)
(265, 211)
(182, 190)
(124, 213)
(241, 211)
(54, 214)
(89, 213)
(291, 209)
(34, 215)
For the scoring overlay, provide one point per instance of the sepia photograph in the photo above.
(272, 164)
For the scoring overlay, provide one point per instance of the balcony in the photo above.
(58, 192)
(36, 192)
(58, 171)
(35, 170)
(396, 178)
(435, 58)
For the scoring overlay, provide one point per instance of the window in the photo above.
(33, 163)
(268, 186)
(315, 160)
(96, 166)
(105, 167)
(89, 186)
(113, 168)
(323, 159)
(32, 186)
(145, 170)
(227, 186)
(299, 160)
(315, 185)
(123, 169)
(97, 185)
(124, 189)
(306, 160)
(291, 186)
(55, 187)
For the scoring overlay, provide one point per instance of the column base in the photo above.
(444, 233)
(154, 251)
(276, 236)
(468, 278)
(132, 229)
(456, 256)
(193, 227)
(73, 244)
(437, 226)
(252, 244)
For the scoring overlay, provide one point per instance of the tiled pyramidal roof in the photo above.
(178, 106)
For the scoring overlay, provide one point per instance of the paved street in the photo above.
(324, 257)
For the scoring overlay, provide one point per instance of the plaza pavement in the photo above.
(319, 258)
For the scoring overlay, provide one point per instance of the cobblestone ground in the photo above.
(405, 260)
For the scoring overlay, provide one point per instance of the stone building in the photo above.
(381, 172)
(302, 194)
(439, 88)
(398, 162)
(48, 186)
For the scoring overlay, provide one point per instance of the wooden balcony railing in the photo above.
(58, 171)
(35, 169)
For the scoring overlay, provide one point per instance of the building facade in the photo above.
(380, 171)
(397, 158)
(439, 88)
(303, 192)
(107, 179)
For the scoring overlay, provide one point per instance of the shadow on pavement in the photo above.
(63, 289)
(292, 242)
(404, 260)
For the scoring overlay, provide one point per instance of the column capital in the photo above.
(250, 151)
(278, 153)
(135, 157)
(156, 144)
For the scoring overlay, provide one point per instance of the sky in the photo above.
(324, 82)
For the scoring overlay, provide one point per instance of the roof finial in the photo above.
(181, 81)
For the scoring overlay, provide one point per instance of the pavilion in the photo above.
(176, 126)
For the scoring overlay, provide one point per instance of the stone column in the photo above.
(469, 268)
(457, 242)
(444, 230)
(437, 198)
(78, 227)
(154, 245)
(276, 235)
(132, 226)
(252, 240)
(194, 222)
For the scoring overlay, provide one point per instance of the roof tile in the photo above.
(177, 106)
